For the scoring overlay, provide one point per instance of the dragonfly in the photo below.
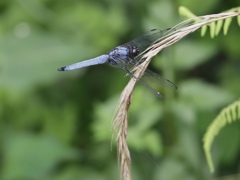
(129, 55)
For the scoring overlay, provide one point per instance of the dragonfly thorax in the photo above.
(122, 52)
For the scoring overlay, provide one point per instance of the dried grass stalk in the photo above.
(120, 123)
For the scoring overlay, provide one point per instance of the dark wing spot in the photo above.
(153, 29)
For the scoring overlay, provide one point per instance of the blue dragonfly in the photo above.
(129, 55)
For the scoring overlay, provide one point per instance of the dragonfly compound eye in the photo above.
(135, 51)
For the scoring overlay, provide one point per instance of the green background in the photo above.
(57, 125)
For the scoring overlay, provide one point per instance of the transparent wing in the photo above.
(144, 41)
(155, 35)
(149, 78)
(152, 80)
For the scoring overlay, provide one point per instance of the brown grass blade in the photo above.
(120, 123)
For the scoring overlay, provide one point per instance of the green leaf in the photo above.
(27, 156)
(203, 95)
(103, 116)
(34, 59)
(168, 166)
(204, 30)
(218, 27)
(226, 25)
(238, 19)
(183, 11)
(190, 54)
(212, 29)
(227, 115)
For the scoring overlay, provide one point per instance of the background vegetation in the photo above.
(57, 125)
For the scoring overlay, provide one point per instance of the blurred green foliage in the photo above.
(58, 125)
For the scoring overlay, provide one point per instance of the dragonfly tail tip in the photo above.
(61, 69)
